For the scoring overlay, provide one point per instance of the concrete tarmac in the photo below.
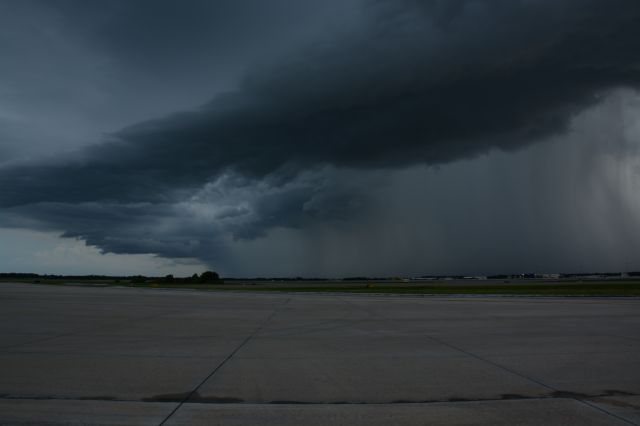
(85, 355)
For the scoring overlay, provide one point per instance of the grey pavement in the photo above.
(94, 355)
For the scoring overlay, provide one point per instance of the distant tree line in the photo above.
(208, 277)
(211, 277)
(276, 279)
(22, 275)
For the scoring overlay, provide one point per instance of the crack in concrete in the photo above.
(194, 392)
(567, 395)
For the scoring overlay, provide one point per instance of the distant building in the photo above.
(551, 276)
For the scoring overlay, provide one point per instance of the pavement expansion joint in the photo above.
(192, 393)
(196, 398)
(607, 412)
(171, 357)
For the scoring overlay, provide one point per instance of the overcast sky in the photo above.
(333, 138)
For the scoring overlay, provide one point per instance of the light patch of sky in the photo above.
(24, 250)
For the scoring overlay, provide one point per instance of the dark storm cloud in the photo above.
(73, 70)
(415, 82)
(224, 210)
(162, 36)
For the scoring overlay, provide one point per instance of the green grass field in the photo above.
(583, 289)
(516, 287)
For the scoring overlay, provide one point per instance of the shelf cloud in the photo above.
(405, 83)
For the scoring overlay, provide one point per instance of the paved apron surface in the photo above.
(80, 355)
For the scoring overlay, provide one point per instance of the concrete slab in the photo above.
(346, 345)
(180, 327)
(10, 340)
(626, 407)
(147, 347)
(543, 344)
(126, 344)
(103, 377)
(366, 379)
(60, 412)
(582, 373)
(558, 412)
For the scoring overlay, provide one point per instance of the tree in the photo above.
(210, 277)
(169, 278)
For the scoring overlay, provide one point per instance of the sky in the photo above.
(319, 139)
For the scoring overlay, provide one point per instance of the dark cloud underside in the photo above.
(413, 82)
